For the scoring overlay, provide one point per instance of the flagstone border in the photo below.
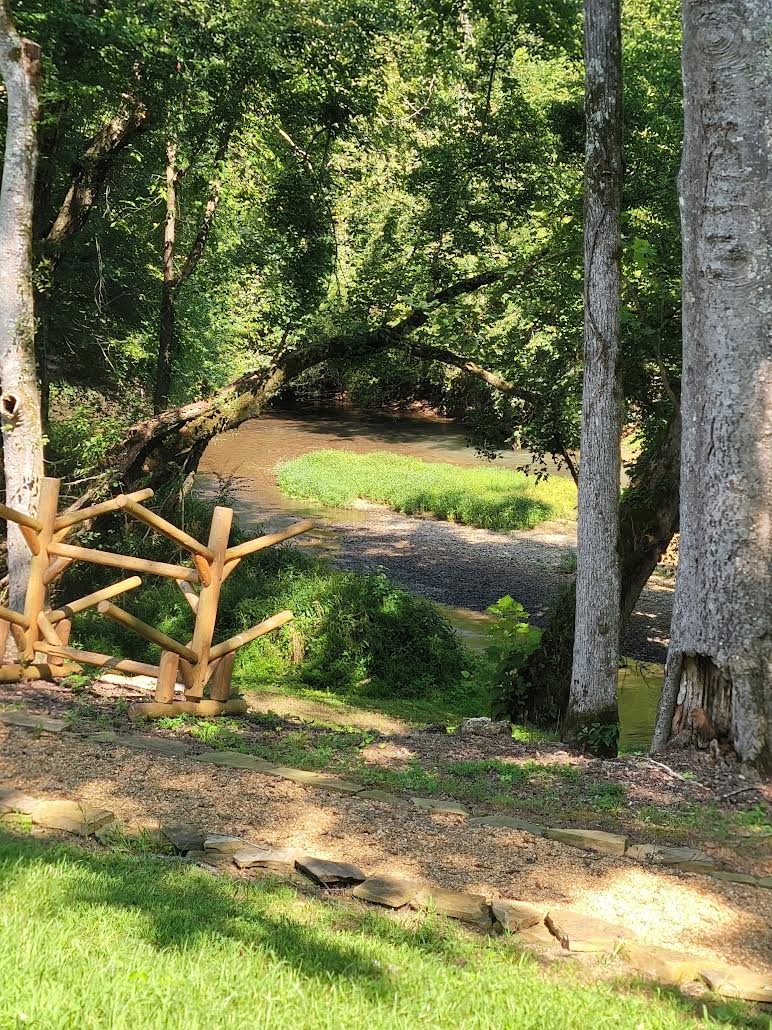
(685, 859)
(534, 925)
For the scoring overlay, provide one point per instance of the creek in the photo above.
(460, 568)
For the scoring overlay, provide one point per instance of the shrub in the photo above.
(350, 632)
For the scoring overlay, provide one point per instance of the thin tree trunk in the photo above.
(648, 520)
(719, 667)
(20, 402)
(166, 338)
(596, 638)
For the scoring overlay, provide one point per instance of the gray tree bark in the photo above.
(718, 678)
(20, 402)
(592, 698)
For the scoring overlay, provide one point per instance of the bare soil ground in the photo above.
(730, 922)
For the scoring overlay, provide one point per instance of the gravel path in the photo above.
(468, 568)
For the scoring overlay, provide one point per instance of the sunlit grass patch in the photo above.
(128, 940)
(490, 498)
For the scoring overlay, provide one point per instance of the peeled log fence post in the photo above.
(36, 588)
(208, 600)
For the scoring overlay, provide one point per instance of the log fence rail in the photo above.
(38, 631)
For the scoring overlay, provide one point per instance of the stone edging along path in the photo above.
(617, 845)
(572, 931)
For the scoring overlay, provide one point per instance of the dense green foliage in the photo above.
(351, 634)
(154, 943)
(368, 154)
(489, 498)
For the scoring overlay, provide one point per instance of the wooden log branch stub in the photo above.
(220, 683)
(102, 661)
(91, 600)
(179, 536)
(31, 539)
(260, 542)
(56, 568)
(63, 630)
(167, 677)
(123, 561)
(237, 641)
(11, 515)
(189, 594)
(8, 615)
(203, 569)
(71, 518)
(155, 636)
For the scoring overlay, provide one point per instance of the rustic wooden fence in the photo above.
(42, 635)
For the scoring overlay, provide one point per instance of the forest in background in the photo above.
(224, 187)
(418, 202)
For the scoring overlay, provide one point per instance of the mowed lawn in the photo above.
(490, 498)
(125, 940)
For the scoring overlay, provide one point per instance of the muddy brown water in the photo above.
(460, 568)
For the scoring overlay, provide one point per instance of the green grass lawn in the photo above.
(91, 940)
(491, 498)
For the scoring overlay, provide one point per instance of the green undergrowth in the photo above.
(356, 637)
(118, 940)
(489, 498)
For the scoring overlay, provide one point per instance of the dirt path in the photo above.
(729, 922)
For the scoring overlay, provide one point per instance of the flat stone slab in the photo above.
(485, 727)
(184, 837)
(33, 722)
(436, 805)
(730, 877)
(640, 852)
(376, 794)
(470, 908)
(509, 822)
(315, 779)
(14, 801)
(515, 916)
(224, 844)
(387, 889)
(71, 816)
(233, 760)
(589, 840)
(765, 881)
(665, 965)
(280, 860)
(330, 874)
(683, 858)
(147, 742)
(103, 737)
(736, 982)
(577, 932)
(539, 935)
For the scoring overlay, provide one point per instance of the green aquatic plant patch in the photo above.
(489, 498)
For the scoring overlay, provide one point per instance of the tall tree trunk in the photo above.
(593, 698)
(720, 656)
(167, 330)
(20, 402)
(648, 520)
